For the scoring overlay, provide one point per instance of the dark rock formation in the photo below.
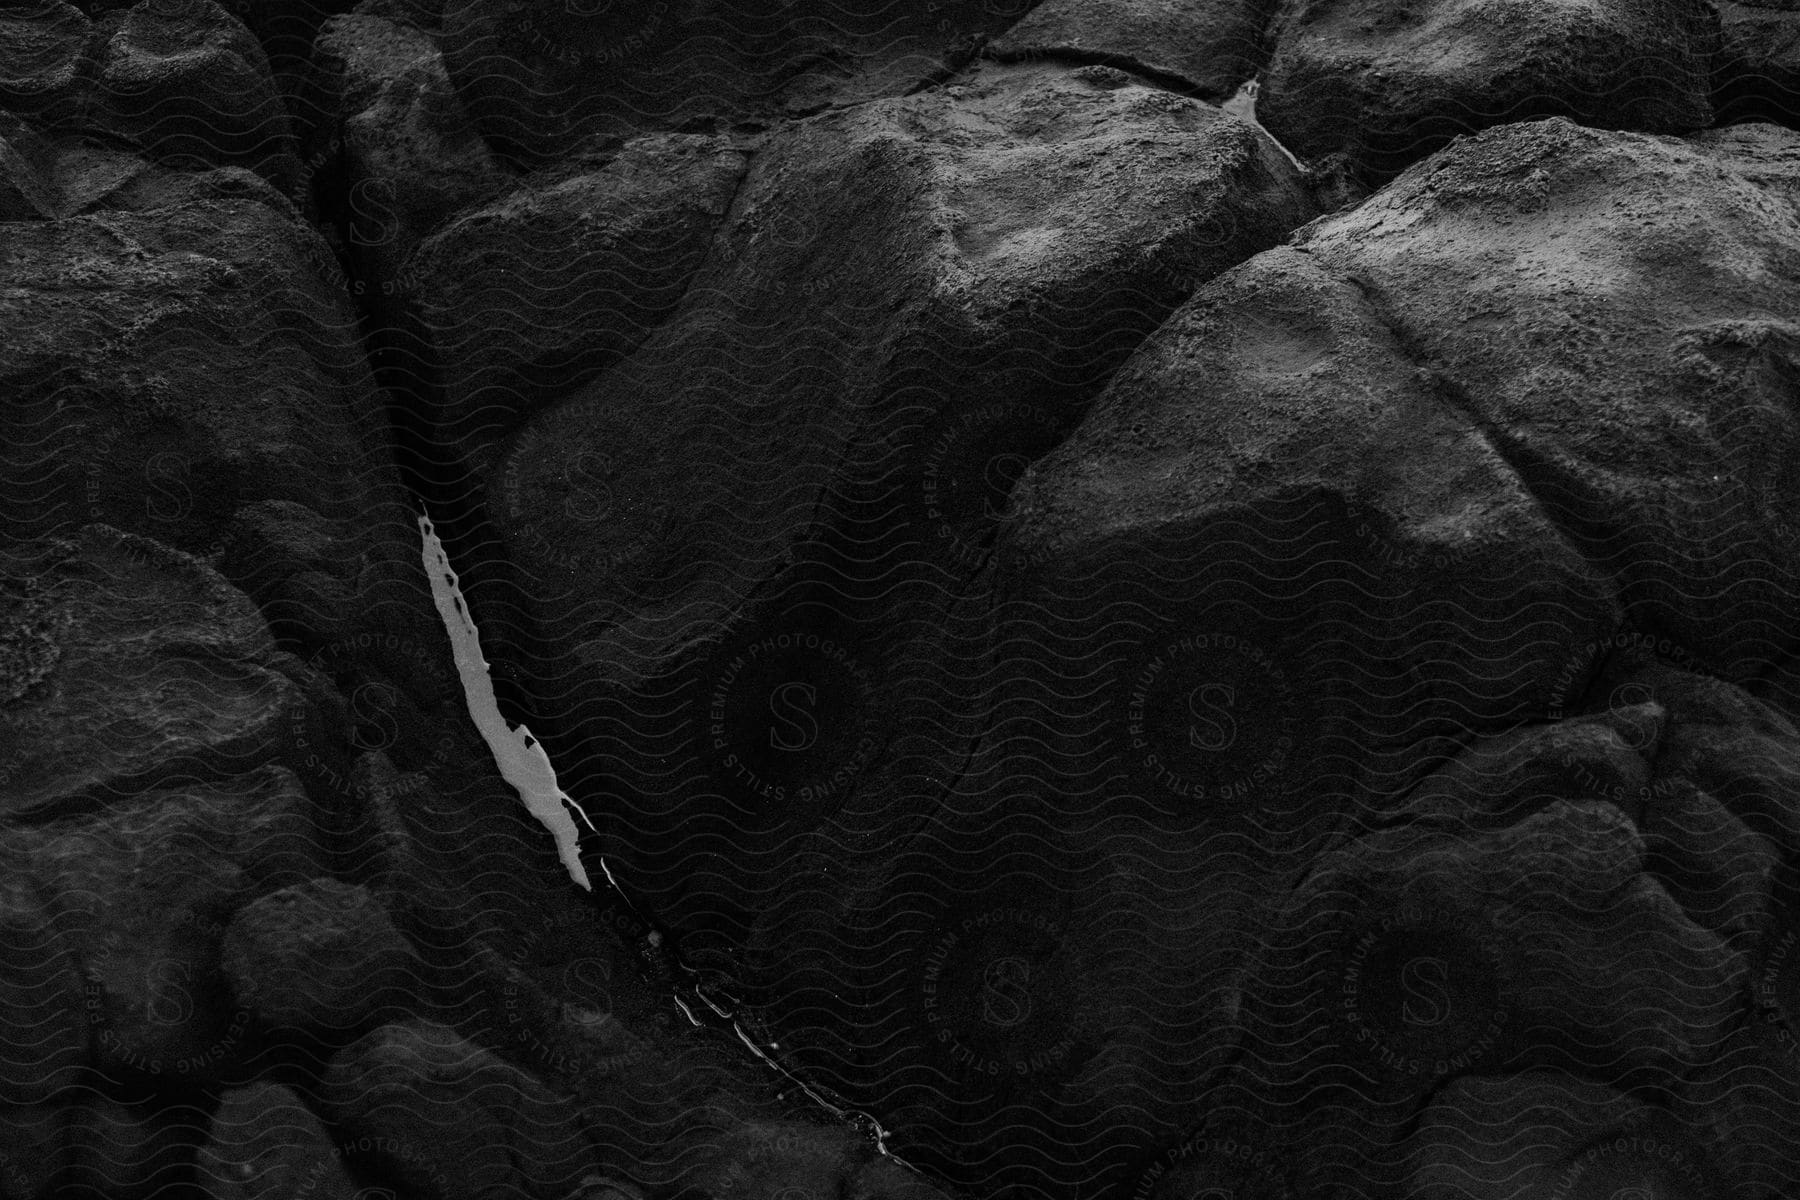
(609, 254)
(411, 156)
(450, 1120)
(1126, 653)
(892, 310)
(1211, 47)
(1757, 73)
(543, 78)
(317, 955)
(1389, 82)
(133, 666)
(264, 1140)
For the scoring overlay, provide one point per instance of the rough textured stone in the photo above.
(43, 1027)
(1411, 957)
(1504, 487)
(543, 78)
(185, 80)
(1140, 710)
(41, 58)
(1212, 46)
(132, 665)
(892, 301)
(321, 955)
(451, 1120)
(265, 1142)
(171, 365)
(181, 363)
(1389, 82)
(33, 1144)
(523, 299)
(142, 894)
(1495, 1138)
(411, 155)
(123, 1152)
(1757, 73)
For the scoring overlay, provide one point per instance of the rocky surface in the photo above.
(1387, 83)
(1757, 73)
(1145, 600)
(264, 1139)
(448, 1119)
(1210, 47)
(544, 79)
(321, 953)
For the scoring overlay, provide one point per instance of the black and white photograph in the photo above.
(899, 599)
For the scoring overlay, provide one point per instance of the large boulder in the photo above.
(178, 360)
(448, 1119)
(1388, 82)
(908, 301)
(42, 69)
(189, 83)
(522, 300)
(124, 1152)
(394, 128)
(318, 956)
(129, 665)
(1757, 73)
(140, 900)
(1500, 491)
(183, 81)
(1411, 957)
(1541, 1133)
(263, 1142)
(1366, 500)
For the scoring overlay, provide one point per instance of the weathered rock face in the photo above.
(892, 302)
(524, 299)
(206, 287)
(322, 954)
(147, 942)
(394, 126)
(1492, 1137)
(187, 81)
(1510, 442)
(1143, 695)
(42, 69)
(263, 1138)
(543, 78)
(182, 80)
(1757, 72)
(1395, 485)
(1387, 83)
(177, 367)
(1542, 944)
(131, 666)
(449, 1119)
(1212, 46)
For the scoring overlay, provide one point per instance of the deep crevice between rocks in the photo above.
(1140, 72)
(440, 485)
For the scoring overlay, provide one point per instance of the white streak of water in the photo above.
(518, 754)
